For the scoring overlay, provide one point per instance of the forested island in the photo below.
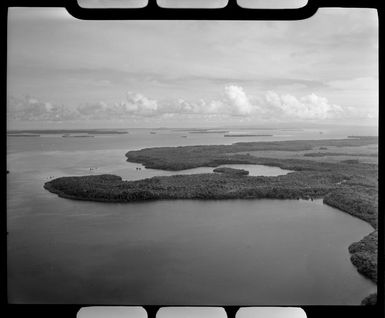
(77, 136)
(348, 185)
(66, 131)
(232, 171)
(246, 135)
(23, 135)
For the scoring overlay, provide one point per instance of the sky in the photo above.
(69, 73)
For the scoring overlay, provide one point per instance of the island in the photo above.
(324, 154)
(348, 185)
(65, 131)
(246, 135)
(232, 171)
(208, 131)
(200, 130)
(23, 135)
(77, 136)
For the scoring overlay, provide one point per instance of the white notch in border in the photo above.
(271, 312)
(112, 312)
(191, 312)
(105, 4)
(189, 4)
(272, 4)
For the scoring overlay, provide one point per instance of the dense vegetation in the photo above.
(324, 154)
(239, 172)
(67, 131)
(187, 157)
(348, 185)
(356, 200)
(198, 186)
(364, 255)
(370, 300)
(245, 135)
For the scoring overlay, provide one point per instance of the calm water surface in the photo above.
(170, 252)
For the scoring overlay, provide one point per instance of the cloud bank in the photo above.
(233, 103)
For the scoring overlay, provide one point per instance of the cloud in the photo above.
(29, 108)
(92, 111)
(239, 100)
(137, 104)
(307, 107)
(234, 102)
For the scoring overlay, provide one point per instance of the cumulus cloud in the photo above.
(239, 100)
(306, 107)
(30, 108)
(140, 104)
(234, 102)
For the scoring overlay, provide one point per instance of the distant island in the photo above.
(67, 131)
(360, 137)
(246, 135)
(208, 131)
(232, 171)
(324, 154)
(23, 135)
(77, 136)
(348, 185)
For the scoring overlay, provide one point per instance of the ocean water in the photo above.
(270, 252)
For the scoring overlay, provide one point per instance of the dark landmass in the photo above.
(208, 131)
(360, 137)
(68, 131)
(323, 148)
(23, 135)
(188, 157)
(246, 135)
(350, 186)
(107, 132)
(238, 172)
(356, 199)
(364, 255)
(324, 154)
(77, 136)
(370, 300)
(112, 188)
(199, 130)
(152, 132)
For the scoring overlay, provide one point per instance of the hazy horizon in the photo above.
(281, 126)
